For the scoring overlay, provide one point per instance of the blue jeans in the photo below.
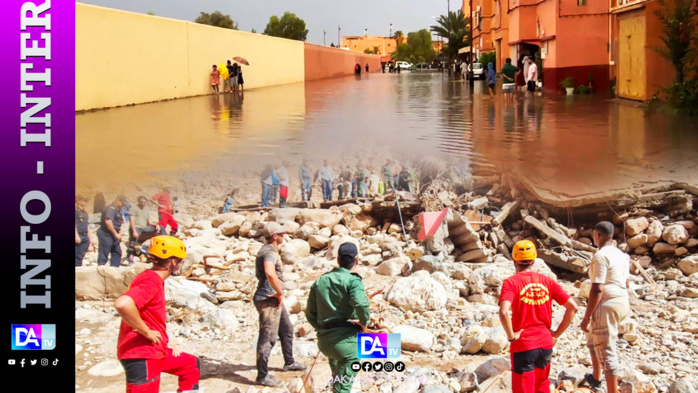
(327, 190)
(266, 194)
(306, 186)
(354, 190)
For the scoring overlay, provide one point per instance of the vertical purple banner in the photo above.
(37, 119)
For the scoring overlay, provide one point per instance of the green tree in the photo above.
(151, 13)
(399, 36)
(403, 53)
(420, 44)
(368, 51)
(288, 26)
(217, 19)
(253, 31)
(455, 28)
(678, 30)
(332, 45)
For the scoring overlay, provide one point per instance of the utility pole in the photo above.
(324, 34)
(339, 38)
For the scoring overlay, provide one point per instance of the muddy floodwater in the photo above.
(570, 146)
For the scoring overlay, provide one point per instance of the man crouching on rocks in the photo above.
(268, 300)
(143, 347)
(529, 296)
(338, 309)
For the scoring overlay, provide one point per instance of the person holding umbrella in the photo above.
(241, 81)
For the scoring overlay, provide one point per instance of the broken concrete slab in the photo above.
(547, 231)
(573, 263)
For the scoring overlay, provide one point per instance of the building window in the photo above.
(581, 2)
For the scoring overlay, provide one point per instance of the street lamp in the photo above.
(391, 30)
(324, 34)
(339, 39)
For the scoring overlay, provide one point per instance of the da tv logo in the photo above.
(378, 345)
(33, 337)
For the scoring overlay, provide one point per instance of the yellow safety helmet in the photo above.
(524, 250)
(165, 247)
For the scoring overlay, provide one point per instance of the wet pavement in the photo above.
(570, 145)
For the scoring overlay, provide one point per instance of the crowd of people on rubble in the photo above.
(116, 214)
(338, 308)
(358, 182)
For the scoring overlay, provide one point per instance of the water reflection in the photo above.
(574, 146)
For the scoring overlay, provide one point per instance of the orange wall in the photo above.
(658, 70)
(323, 62)
(574, 50)
(385, 45)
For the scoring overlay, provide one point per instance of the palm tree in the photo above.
(456, 29)
(399, 37)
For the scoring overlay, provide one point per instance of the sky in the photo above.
(352, 16)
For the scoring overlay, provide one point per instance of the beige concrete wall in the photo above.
(125, 58)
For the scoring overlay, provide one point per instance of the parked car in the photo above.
(404, 66)
(478, 71)
(422, 67)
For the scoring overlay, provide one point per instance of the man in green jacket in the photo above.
(338, 309)
(387, 174)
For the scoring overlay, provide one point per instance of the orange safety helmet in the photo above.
(524, 250)
(165, 247)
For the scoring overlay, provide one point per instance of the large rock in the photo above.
(221, 218)
(414, 339)
(334, 244)
(443, 279)
(496, 341)
(181, 292)
(430, 263)
(231, 227)
(340, 230)
(417, 293)
(362, 222)
(392, 267)
(654, 232)
(318, 379)
(635, 226)
(318, 242)
(285, 214)
(497, 384)
(637, 241)
(222, 318)
(473, 340)
(104, 282)
(683, 385)
(675, 234)
(323, 217)
(491, 368)
(294, 251)
(574, 375)
(689, 265)
(664, 248)
(305, 231)
(107, 368)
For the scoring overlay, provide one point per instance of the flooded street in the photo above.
(571, 146)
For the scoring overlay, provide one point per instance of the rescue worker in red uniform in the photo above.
(529, 295)
(143, 347)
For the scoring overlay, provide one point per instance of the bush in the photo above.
(684, 96)
(583, 89)
(567, 82)
(487, 58)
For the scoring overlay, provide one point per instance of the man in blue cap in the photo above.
(338, 309)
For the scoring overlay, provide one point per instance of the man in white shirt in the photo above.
(282, 173)
(608, 306)
(531, 76)
(326, 175)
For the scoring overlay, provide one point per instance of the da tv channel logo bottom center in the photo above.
(378, 346)
(33, 337)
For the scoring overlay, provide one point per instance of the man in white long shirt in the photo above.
(326, 175)
(531, 76)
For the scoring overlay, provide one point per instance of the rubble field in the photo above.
(440, 293)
